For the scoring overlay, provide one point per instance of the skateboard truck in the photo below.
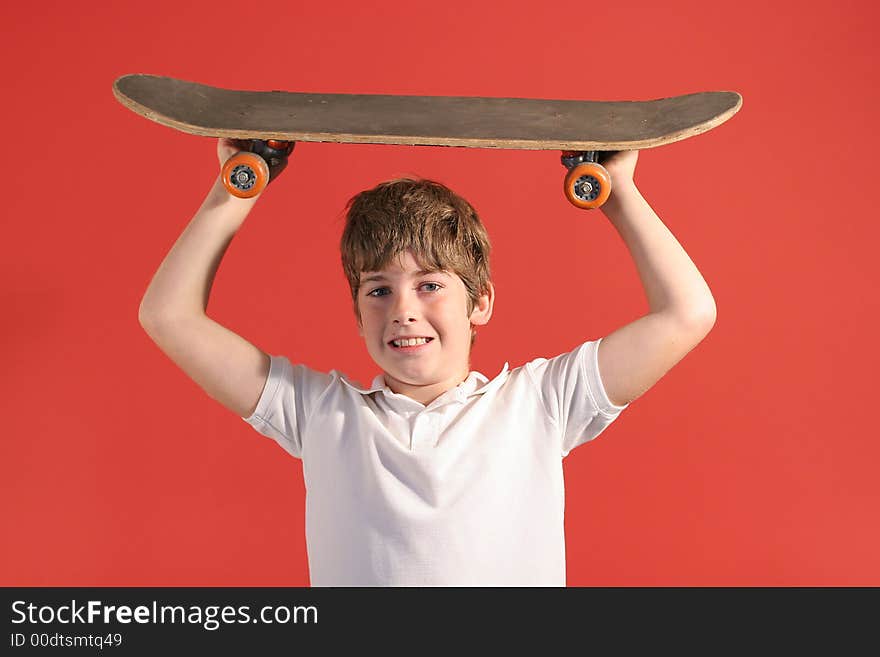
(247, 173)
(587, 184)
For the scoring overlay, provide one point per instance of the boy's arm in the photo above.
(682, 310)
(173, 313)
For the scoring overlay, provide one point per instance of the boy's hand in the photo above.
(621, 166)
(226, 148)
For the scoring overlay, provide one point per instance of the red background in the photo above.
(753, 462)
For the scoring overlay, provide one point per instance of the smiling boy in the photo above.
(414, 328)
(434, 474)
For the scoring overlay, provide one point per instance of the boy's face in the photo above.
(401, 301)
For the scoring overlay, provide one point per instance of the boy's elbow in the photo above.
(699, 317)
(705, 319)
(711, 313)
(142, 316)
(151, 319)
(146, 316)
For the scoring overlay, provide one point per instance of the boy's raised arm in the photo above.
(681, 306)
(173, 313)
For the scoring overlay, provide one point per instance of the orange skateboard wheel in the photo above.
(587, 185)
(245, 174)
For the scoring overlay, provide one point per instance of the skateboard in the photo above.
(273, 121)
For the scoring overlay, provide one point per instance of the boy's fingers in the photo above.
(238, 144)
(226, 147)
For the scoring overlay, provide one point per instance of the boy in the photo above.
(434, 475)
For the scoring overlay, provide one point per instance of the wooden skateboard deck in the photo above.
(579, 128)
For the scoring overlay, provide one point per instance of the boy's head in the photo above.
(395, 231)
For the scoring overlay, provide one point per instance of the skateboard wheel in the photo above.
(245, 175)
(587, 185)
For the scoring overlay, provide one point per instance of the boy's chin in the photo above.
(410, 377)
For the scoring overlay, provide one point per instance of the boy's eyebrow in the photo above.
(421, 272)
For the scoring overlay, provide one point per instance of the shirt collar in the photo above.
(476, 383)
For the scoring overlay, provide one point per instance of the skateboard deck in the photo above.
(276, 120)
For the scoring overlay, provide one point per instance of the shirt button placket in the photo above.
(417, 430)
(424, 430)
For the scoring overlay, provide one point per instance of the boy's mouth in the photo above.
(409, 344)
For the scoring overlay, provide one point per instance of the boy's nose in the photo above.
(403, 310)
(403, 316)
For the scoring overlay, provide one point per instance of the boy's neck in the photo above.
(425, 394)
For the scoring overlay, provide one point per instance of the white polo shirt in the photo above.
(466, 491)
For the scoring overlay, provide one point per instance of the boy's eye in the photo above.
(375, 293)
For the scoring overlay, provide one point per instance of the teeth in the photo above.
(411, 342)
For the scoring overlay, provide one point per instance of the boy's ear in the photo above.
(482, 311)
(358, 320)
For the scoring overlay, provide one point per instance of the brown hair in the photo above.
(442, 229)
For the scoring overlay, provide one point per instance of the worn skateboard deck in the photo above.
(578, 127)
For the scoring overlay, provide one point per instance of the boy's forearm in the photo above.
(672, 282)
(182, 284)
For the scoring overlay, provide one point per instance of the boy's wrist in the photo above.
(222, 194)
(620, 195)
(224, 207)
(220, 200)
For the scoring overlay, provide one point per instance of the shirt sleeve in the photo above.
(571, 389)
(286, 402)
